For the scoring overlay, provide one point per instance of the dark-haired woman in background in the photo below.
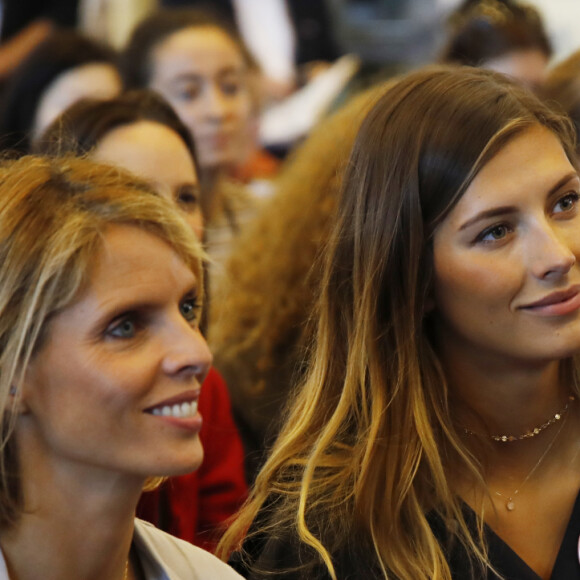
(200, 65)
(64, 68)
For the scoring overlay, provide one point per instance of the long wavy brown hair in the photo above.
(369, 451)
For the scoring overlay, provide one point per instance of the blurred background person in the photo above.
(204, 71)
(63, 69)
(562, 90)
(503, 35)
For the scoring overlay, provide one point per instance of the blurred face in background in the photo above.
(201, 71)
(94, 80)
(157, 154)
(529, 67)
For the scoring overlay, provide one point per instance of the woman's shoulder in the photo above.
(165, 556)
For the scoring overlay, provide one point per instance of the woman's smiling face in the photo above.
(114, 387)
(506, 273)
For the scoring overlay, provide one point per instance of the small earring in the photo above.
(12, 390)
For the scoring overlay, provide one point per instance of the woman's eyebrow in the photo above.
(503, 210)
(489, 213)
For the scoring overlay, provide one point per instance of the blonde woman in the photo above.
(138, 131)
(102, 362)
(437, 433)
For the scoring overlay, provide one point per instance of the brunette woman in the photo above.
(201, 66)
(61, 70)
(260, 331)
(437, 433)
(507, 36)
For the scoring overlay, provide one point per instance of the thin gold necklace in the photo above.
(510, 503)
(531, 432)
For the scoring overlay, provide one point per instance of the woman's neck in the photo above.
(73, 525)
(497, 395)
(509, 403)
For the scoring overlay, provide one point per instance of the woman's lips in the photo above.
(180, 411)
(556, 304)
(216, 141)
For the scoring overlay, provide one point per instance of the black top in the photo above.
(282, 554)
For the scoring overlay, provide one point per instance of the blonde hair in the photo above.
(53, 215)
(363, 460)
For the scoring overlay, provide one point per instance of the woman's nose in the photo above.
(216, 103)
(555, 255)
(187, 353)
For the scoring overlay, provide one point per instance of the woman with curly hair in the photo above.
(259, 331)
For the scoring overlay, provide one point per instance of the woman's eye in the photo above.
(494, 233)
(188, 93)
(231, 84)
(231, 89)
(187, 196)
(190, 308)
(566, 203)
(125, 328)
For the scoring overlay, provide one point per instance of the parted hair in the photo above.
(368, 452)
(53, 216)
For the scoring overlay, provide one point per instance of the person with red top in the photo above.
(195, 506)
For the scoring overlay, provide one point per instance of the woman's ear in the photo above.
(17, 401)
